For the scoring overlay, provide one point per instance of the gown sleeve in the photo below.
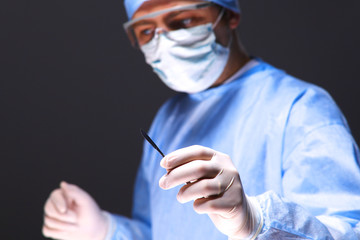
(320, 196)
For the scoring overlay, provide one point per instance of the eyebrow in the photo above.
(172, 16)
(175, 13)
(142, 23)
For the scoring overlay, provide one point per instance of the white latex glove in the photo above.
(215, 186)
(72, 214)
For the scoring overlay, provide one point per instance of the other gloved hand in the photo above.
(72, 214)
(215, 186)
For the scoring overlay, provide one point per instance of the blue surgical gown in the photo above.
(287, 138)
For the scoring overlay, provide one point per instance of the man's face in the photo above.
(144, 29)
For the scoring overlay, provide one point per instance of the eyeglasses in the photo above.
(141, 30)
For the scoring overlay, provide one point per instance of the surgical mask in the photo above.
(187, 60)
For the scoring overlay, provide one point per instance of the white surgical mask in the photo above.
(187, 60)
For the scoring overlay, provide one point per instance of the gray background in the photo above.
(73, 93)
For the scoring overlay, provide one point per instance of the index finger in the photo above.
(185, 155)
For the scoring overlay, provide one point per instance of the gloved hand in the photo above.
(72, 214)
(214, 184)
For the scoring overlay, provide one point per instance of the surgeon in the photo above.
(252, 153)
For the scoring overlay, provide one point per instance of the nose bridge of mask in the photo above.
(190, 36)
(183, 37)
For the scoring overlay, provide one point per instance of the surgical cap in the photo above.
(132, 5)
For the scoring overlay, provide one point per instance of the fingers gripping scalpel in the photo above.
(154, 145)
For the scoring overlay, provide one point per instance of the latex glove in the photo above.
(214, 184)
(72, 214)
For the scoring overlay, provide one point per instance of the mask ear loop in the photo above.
(221, 14)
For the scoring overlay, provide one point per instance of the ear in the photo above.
(233, 19)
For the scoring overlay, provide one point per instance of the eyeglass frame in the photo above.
(193, 6)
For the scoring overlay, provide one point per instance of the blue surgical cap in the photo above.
(132, 5)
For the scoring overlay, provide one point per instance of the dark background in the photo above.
(73, 93)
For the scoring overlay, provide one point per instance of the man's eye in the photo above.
(182, 23)
(146, 31)
(186, 22)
